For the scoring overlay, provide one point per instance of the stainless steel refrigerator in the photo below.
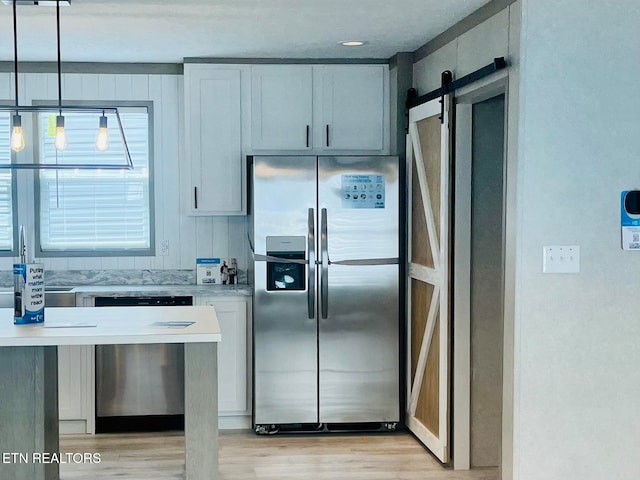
(324, 238)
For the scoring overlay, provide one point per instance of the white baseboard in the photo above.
(72, 427)
(236, 422)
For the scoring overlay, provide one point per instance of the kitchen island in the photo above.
(28, 380)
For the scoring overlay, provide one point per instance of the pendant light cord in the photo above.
(15, 49)
(59, 63)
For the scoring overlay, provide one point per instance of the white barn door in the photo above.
(429, 276)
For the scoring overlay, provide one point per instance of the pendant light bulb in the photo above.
(60, 141)
(102, 140)
(17, 137)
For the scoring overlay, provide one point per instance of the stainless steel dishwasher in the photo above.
(140, 387)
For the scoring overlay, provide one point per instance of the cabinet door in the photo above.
(281, 107)
(232, 355)
(213, 139)
(69, 388)
(353, 112)
(73, 382)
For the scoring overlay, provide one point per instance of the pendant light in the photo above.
(60, 143)
(102, 140)
(17, 136)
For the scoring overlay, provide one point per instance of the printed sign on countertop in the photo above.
(216, 271)
(207, 271)
(28, 292)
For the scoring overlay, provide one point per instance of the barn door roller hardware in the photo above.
(449, 85)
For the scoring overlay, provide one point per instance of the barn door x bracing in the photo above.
(428, 276)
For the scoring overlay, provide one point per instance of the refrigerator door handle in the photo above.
(311, 269)
(324, 269)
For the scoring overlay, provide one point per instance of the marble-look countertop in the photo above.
(150, 290)
(157, 290)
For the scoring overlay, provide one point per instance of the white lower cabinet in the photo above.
(75, 392)
(233, 379)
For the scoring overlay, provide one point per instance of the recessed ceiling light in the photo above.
(353, 43)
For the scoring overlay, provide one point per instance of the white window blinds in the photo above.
(95, 211)
(6, 207)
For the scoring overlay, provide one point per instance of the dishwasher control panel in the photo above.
(144, 301)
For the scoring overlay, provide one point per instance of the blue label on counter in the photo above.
(28, 282)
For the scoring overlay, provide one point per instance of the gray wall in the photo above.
(577, 353)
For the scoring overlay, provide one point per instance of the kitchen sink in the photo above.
(58, 289)
(59, 297)
(53, 297)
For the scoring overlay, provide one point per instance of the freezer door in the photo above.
(285, 337)
(358, 295)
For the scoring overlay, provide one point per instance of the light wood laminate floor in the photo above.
(244, 456)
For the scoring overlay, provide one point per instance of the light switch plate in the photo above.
(561, 259)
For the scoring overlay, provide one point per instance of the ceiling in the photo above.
(162, 31)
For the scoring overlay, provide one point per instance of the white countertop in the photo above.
(112, 326)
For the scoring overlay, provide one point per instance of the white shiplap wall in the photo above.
(189, 237)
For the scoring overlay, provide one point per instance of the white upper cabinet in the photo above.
(213, 140)
(320, 108)
(235, 110)
(281, 107)
(351, 107)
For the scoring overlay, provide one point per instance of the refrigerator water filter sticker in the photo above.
(363, 191)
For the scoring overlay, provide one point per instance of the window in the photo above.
(95, 212)
(6, 188)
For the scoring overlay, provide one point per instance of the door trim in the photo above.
(496, 85)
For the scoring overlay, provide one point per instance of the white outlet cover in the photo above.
(561, 259)
(164, 247)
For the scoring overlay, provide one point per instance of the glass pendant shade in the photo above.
(60, 141)
(17, 136)
(102, 140)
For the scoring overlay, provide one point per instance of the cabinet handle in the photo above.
(195, 197)
(327, 135)
(307, 136)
